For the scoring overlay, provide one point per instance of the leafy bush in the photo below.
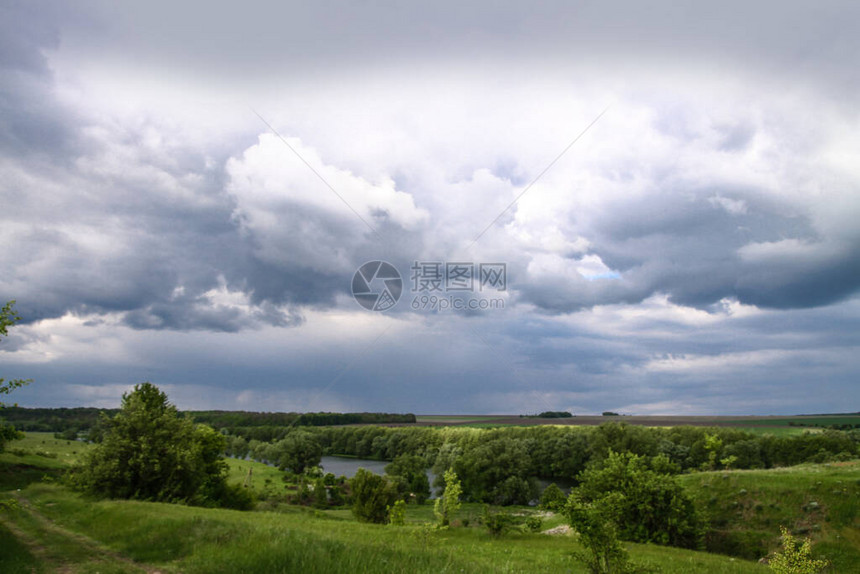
(412, 470)
(371, 496)
(596, 522)
(795, 559)
(552, 498)
(497, 523)
(397, 513)
(449, 503)
(149, 452)
(651, 507)
(534, 523)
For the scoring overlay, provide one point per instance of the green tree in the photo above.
(497, 471)
(449, 503)
(713, 446)
(371, 496)
(412, 469)
(794, 558)
(297, 452)
(149, 452)
(597, 525)
(552, 498)
(652, 507)
(397, 513)
(320, 494)
(8, 318)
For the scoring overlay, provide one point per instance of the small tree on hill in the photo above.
(596, 523)
(149, 452)
(449, 503)
(372, 495)
(794, 558)
(552, 498)
(8, 317)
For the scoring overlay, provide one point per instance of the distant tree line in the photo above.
(501, 465)
(550, 415)
(262, 426)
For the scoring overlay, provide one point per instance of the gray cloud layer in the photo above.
(722, 178)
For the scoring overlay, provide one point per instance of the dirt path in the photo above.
(61, 550)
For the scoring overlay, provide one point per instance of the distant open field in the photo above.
(773, 424)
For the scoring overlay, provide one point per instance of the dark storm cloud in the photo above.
(31, 121)
(683, 241)
(143, 220)
(106, 221)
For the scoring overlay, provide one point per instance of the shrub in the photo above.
(397, 513)
(449, 503)
(497, 523)
(652, 507)
(552, 498)
(795, 559)
(371, 496)
(534, 523)
(596, 523)
(412, 476)
(149, 452)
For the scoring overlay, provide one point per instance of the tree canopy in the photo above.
(149, 452)
(650, 506)
(8, 317)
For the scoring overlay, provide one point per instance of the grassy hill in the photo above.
(47, 528)
(745, 509)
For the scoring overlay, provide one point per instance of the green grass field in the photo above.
(747, 507)
(109, 535)
(50, 529)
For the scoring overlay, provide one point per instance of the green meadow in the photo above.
(45, 527)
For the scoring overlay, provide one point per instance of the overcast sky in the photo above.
(187, 190)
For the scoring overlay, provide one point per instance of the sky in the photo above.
(188, 189)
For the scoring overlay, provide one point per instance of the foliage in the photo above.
(652, 507)
(713, 445)
(794, 558)
(8, 317)
(298, 452)
(371, 496)
(449, 503)
(550, 415)
(497, 523)
(534, 523)
(552, 498)
(597, 525)
(553, 453)
(320, 494)
(397, 513)
(149, 452)
(412, 469)
(7, 433)
(497, 471)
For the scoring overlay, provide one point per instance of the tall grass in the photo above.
(746, 508)
(187, 539)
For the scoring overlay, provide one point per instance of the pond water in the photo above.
(347, 466)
